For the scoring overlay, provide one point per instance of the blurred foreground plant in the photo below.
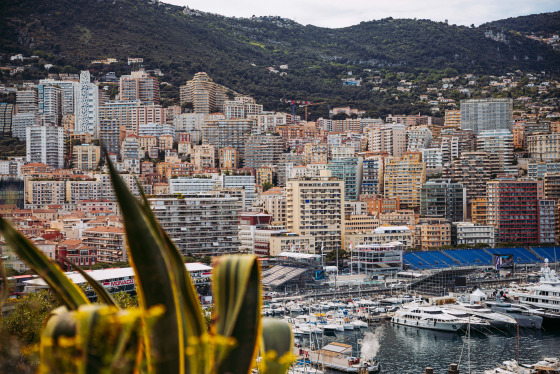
(167, 333)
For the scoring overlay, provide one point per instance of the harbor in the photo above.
(409, 350)
(503, 330)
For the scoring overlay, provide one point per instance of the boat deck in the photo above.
(337, 363)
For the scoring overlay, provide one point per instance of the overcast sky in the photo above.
(341, 13)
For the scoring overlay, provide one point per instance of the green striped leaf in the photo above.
(94, 339)
(276, 346)
(102, 294)
(237, 298)
(156, 283)
(66, 290)
(191, 311)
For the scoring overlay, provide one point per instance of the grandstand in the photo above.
(443, 259)
(281, 276)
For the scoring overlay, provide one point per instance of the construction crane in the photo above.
(293, 103)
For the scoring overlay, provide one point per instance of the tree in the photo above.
(26, 321)
(331, 256)
(125, 301)
(267, 186)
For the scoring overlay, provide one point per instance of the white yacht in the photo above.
(545, 296)
(476, 323)
(428, 317)
(497, 320)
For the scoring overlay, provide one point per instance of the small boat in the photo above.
(359, 324)
(545, 366)
(367, 366)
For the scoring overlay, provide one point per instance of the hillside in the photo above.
(538, 24)
(236, 52)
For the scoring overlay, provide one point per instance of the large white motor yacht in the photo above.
(428, 317)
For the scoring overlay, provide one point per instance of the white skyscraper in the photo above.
(45, 144)
(87, 116)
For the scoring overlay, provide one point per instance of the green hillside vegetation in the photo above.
(236, 52)
(539, 24)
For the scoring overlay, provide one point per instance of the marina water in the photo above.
(408, 350)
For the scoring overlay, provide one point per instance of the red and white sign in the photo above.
(118, 283)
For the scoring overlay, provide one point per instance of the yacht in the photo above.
(428, 317)
(476, 323)
(497, 320)
(545, 297)
(521, 315)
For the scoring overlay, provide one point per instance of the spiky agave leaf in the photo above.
(95, 339)
(237, 312)
(64, 288)
(160, 281)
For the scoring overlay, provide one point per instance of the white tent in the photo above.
(477, 296)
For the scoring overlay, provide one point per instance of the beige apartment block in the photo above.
(435, 235)
(86, 156)
(404, 179)
(315, 206)
(204, 156)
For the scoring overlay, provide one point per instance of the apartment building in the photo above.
(444, 199)
(452, 118)
(348, 170)
(242, 107)
(479, 210)
(382, 235)
(86, 156)
(228, 158)
(27, 101)
(87, 106)
(432, 158)
(110, 135)
(45, 144)
(315, 153)
(205, 95)
(200, 224)
(472, 170)
(418, 138)
(139, 86)
(538, 170)
(498, 143)
(373, 170)
(470, 233)
(108, 242)
(227, 133)
(434, 234)
(544, 147)
(486, 114)
(513, 209)
(315, 206)
(453, 143)
(547, 221)
(263, 150)
(50, 103)
(404, 178)
(204, 156)
(389, 139)
(273, 202)
(21, 121)
(264, 174)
